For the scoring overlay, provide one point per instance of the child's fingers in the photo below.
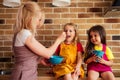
(94, 58)
(99, 59)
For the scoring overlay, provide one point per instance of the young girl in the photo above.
(71, 49)
(97, 66)
(26, 48)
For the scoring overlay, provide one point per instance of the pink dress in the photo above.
(98, 66)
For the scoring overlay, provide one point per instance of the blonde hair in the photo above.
(76, 38)
(26, 17)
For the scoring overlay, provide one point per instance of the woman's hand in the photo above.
(44, 61)
(62, 37)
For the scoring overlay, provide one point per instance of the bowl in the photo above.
(56, 59)
(98, 53)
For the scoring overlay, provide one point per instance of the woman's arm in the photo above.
(41, 50)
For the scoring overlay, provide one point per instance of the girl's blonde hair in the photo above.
(26, 17)
(76, 38)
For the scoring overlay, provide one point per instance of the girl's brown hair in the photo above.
(90, 46)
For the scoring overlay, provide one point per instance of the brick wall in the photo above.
(85, 13)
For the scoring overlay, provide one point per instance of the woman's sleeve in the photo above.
(25, 35)
(21, 37)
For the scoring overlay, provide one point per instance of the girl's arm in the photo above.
(79, 59)
(41, 50)
(91, 59)
(79, 54)
(108, 63)
(79, 62)
(110, 57)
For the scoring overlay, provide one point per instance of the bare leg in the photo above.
(68, 77)
(108, 75)
(92, 75)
